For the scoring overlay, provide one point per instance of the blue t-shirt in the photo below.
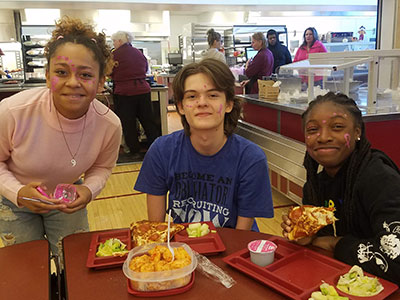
(219, 188)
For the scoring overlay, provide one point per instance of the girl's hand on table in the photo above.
(326, 242)
(83, 197)
(30, 191)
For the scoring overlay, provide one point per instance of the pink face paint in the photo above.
(308, 137)
(188, 106)
(59, 57)
(54, 81)
(205, 86)
(220, 109)
(347, 139)
(318, 134)
(334, 114)
(324, 121)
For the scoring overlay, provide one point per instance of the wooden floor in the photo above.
(118, 205)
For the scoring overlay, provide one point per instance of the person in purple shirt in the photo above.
(131, 93)
(262, 64)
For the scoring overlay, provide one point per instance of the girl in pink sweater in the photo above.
(57, 134)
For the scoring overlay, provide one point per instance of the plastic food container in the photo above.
(65, 192)
(262, 252)
(159, 280)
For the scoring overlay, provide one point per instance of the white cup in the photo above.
(262, 252)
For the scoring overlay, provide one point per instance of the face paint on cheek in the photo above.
(54, 80)
(347, 139)
(220, 109)
(188, 106)
(324, 121)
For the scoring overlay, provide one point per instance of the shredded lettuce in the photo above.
(112, 247)
(355, 283)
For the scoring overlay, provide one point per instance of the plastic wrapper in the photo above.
(212, 271)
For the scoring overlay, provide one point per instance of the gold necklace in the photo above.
(73, 160)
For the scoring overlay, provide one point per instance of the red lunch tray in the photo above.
(207, 245)
(107, 261)
(297, 271)
(161, 293)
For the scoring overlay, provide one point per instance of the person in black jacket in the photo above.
(281, 53)
(361, 183)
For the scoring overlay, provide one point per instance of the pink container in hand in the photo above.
(262, 252)
(65, 192)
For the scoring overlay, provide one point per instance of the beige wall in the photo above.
(396, 43)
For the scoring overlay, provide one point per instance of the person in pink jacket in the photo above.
(59, 134)
(310, 44)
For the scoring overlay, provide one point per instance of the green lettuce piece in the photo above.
(111, 247)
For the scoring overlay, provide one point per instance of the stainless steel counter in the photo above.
(300, 108)
(159, 93)
(17, 87)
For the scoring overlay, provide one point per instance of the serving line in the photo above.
(84, 283)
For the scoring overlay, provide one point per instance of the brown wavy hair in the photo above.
(71, 30)
(223, 80)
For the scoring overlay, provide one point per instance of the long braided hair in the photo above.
(357, 160)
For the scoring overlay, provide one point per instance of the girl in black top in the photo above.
(363, 185)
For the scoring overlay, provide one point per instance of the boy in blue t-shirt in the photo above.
(211, 173)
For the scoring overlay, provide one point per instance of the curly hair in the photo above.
(71, 30)
(223, 80)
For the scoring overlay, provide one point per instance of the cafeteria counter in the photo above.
(159, 98)
(277, 128)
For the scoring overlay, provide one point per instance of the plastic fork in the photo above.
(169, 230)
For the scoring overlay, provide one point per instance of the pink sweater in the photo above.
(302, 53)
(32, 147)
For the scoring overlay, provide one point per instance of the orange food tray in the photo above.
(207, 245)
(107, 261)
(298, 271)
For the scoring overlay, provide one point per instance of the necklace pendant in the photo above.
(73, 162)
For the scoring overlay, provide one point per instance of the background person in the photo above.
(281, 53)
(214, 40)
(361, 183)
(55, 134)
(131, 94)
(2, 73)
(262, 64)
(310, 44)
(211, 173)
